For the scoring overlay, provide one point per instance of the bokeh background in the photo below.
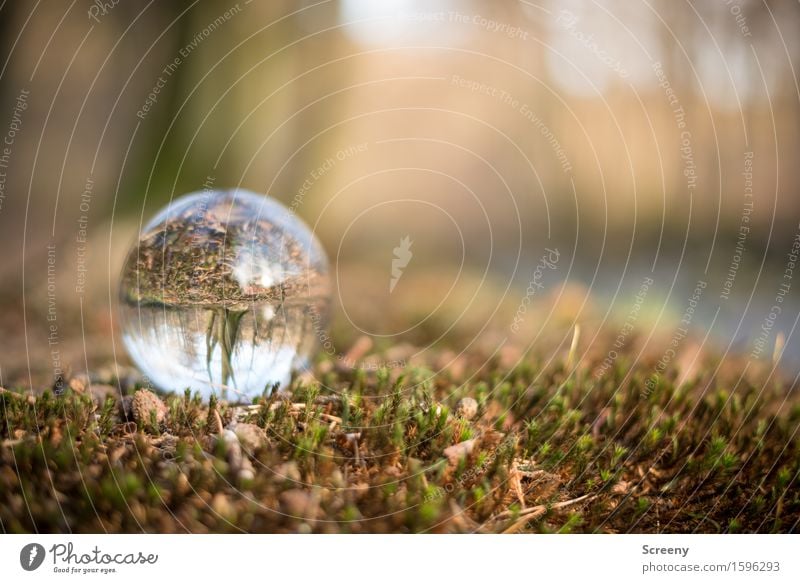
(653, 146)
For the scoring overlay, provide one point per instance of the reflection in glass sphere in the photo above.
(225, 292)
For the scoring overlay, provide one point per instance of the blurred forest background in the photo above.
(638, 139)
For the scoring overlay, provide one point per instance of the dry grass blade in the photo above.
(535, 512)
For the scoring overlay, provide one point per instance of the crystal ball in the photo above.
(226, 292)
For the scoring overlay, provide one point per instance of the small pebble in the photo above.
(79, 382)
(467, 408)
(222, 506)
(288, 471)
(298, 503)
(251, 436)
(144, 404)
(459, 451)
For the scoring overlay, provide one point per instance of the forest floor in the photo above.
(443, 443)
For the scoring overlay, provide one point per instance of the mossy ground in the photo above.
(554, 447)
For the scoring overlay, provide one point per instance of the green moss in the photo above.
(380, 451)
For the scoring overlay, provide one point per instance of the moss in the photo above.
(381, 451)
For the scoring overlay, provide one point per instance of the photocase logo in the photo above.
(31, 556)
(402, 255)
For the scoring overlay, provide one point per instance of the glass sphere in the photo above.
(226, 292)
